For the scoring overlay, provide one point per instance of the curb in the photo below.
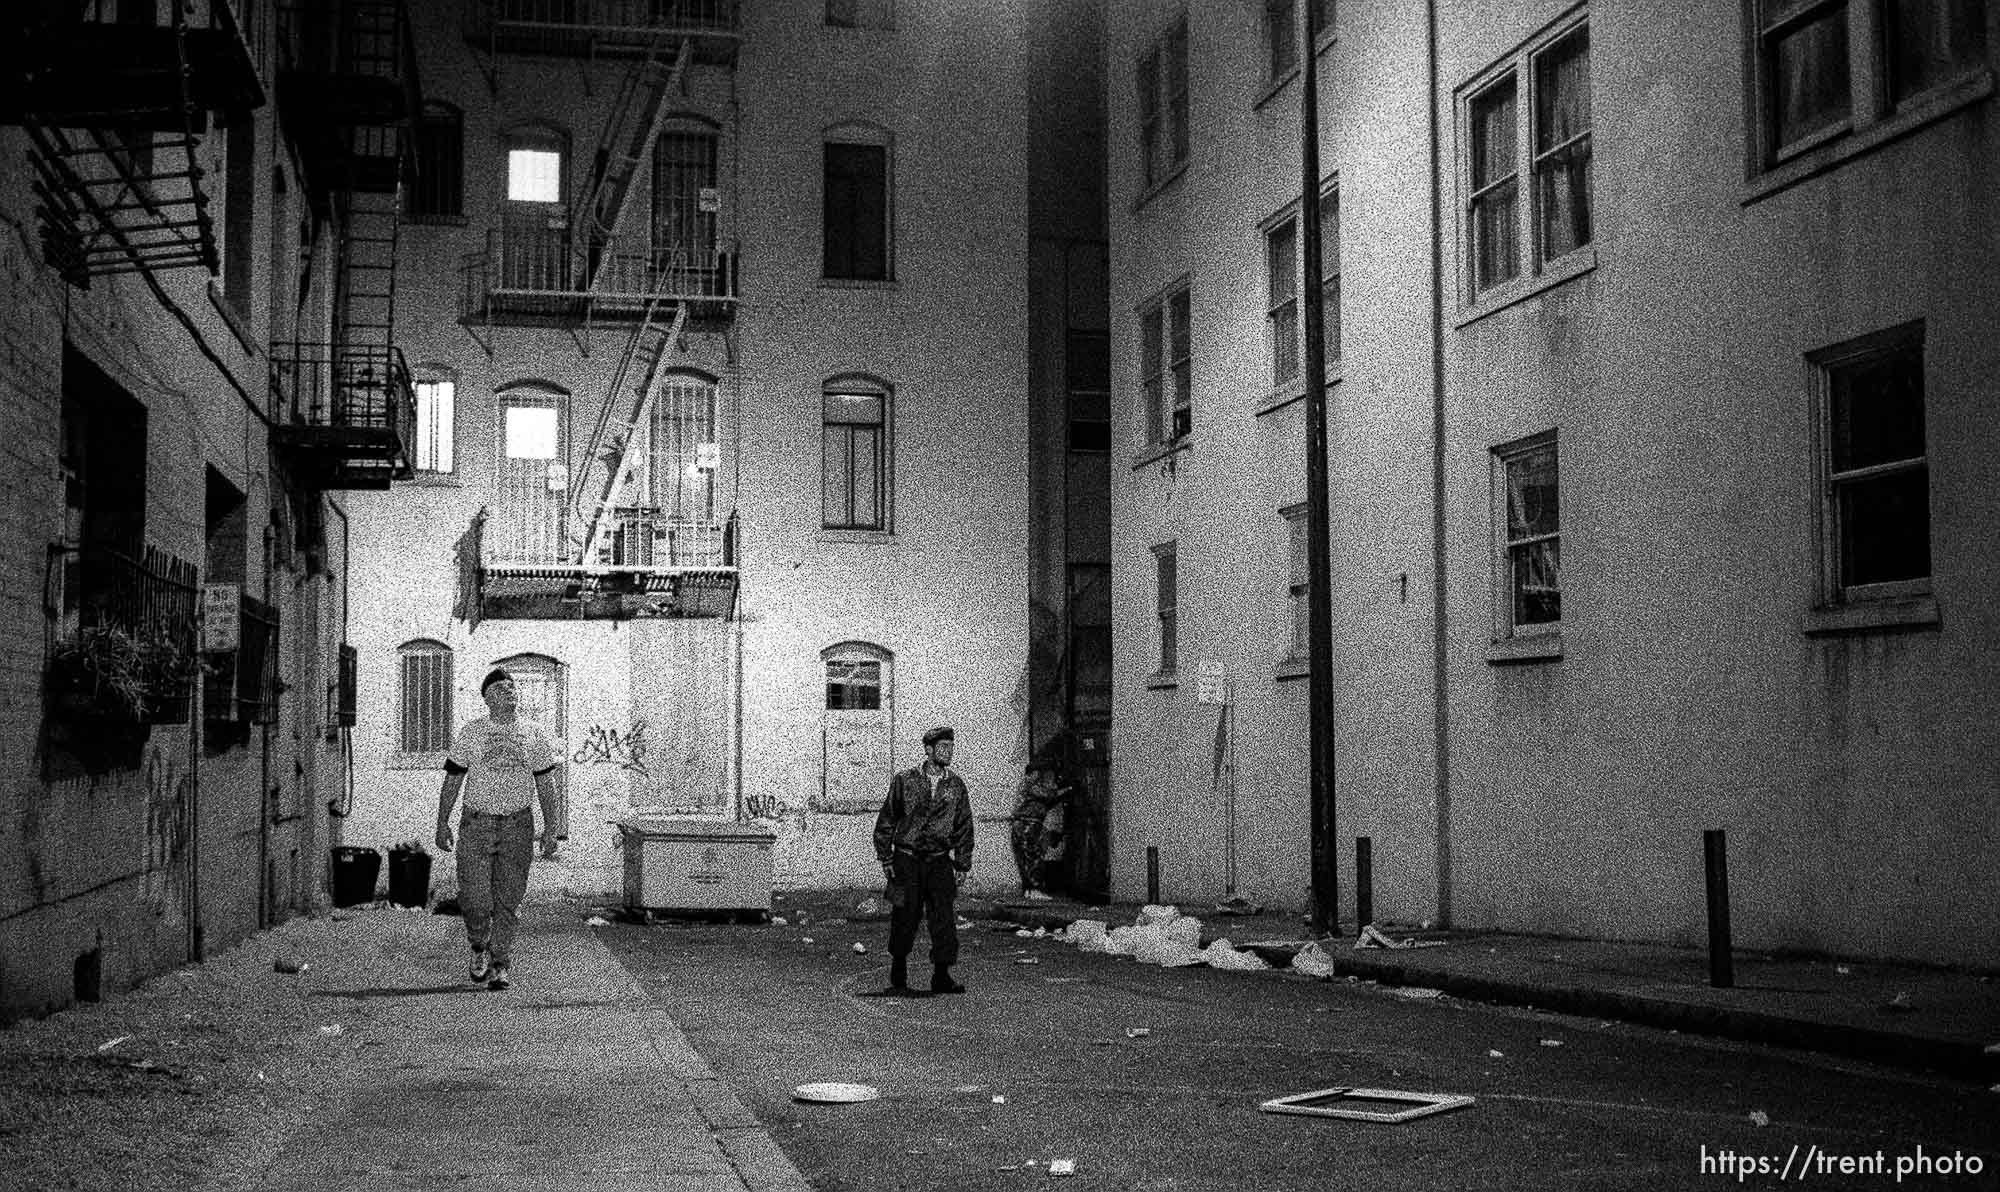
(1891, 1048)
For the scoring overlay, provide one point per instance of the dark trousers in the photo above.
(930, 891)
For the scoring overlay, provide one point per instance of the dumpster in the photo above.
(354, 872)
(696, 865)
(409, 876)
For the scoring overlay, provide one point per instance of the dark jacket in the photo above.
(911, 821)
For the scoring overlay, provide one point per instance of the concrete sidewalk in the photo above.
(1931, 1019)
(573, 1079)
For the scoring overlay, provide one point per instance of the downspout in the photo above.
(264, 759)
(1440, 675)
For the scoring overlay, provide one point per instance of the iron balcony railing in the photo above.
(582, 26)
(539, 533)
(526, 270)
(364, 389)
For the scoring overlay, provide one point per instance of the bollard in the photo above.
(1364, 882)
(1152, 875)
(1721, 974)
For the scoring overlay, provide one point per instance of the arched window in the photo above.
(437, 413)
(856, 463)
(858, 203)
(857, 677)
(424, 696)
(534, 238)
(438, 195)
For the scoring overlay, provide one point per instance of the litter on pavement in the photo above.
(1236, 904)
(108, 1044)
(597, 921)
(286, 965)
(1062, 1167)
(1760, 1117)
(1313, 961)
(1372, 937)
(1386, 1106)
(834, 1092)
(1411, 993)
(861, 949)
(1137, 1032)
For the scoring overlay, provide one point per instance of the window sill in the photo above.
(1284, 395)
(436, 221)
(1539, 647)
(238, 325)
(1291, 668)
(414, 761)
(1163, 680)
(1156, 189)
(1555, 273)
(433, 480)
(859, 283)
(863, 537)
(1273, 87)
(1908, 612)
(1153, 453)
(1917, 113)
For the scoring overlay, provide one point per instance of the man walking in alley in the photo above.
(504, 765)
(923, 838)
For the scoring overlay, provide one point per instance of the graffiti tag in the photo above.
(606, 746)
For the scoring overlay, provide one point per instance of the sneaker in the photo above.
(499, 979)
(481, 965)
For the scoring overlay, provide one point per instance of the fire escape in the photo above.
(635, 528)
(348, 88)
(115, 103)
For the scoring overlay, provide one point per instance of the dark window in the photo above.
(857, 212)
(438, 192)
(1878, 473)
(853, 685)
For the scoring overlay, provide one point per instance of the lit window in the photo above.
(434, 425)
(531, 432)
(534, 176)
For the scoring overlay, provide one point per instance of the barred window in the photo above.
(426, 683)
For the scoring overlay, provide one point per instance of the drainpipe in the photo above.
(1440, 673)
(264, 763)
(339, 809)
(1319, 546)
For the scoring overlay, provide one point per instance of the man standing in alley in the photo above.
(923, 838)
(504, 765)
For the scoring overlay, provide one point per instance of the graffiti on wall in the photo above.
(169, 784)
(605, 745)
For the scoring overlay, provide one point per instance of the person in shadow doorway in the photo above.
(923, 838)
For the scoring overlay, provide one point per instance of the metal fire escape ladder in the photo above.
(124, 202)
(629, 136)
(649, 347)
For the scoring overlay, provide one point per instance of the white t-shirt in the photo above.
(501, 761)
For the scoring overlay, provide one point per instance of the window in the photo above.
(1281, 38)
(1530, 536)
(1165, 366)
(239, 212)
(1087, 373)
(1299, 541)
(1284, 267)
(1166, 567)
(534, 176)
(1281, 34)
(435, 399)
(861, 14)
(1827, 68)
(438, 193)
(527, 523)
(854, 455)
(1163, 105)
(534, 225)
(1551, 147)
(424, 675)
(853, 684)
(1876, 495)
(531, 432)
(857, 197)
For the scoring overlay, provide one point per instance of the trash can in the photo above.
(409, 877)
(354, 873)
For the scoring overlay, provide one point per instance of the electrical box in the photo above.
(696, 865)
